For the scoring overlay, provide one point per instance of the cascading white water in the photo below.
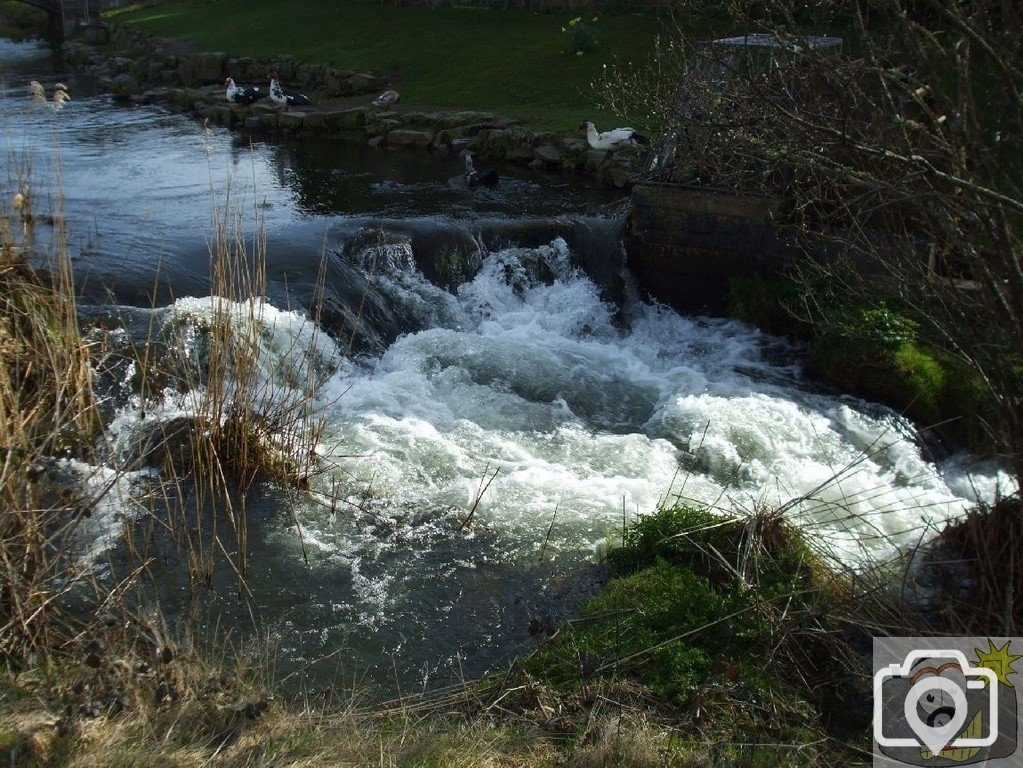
(534, 379)
(587, 412)
(525, 376)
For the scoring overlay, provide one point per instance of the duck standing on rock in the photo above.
(242, 97)
(285, 98)
(613, 138)
(482, 178)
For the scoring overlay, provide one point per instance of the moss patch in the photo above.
(713, 614)
(875, 351)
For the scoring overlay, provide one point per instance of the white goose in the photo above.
(613, 138)
(386, 99)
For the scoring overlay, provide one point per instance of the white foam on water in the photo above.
(534, 379)
(525, 380)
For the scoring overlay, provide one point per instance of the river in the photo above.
(529, 355)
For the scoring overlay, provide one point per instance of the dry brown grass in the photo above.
(47, 410)
(979, 565)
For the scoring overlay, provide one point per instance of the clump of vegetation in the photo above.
(979, 577)
(47, 410)
(728, 623)
(580, 35)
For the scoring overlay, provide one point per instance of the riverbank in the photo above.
(141, 70)
(718, 640)
(760, 674)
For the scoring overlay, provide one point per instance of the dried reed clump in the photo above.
(57, 99)
(252, 412)
(979, 560)
(47, 410)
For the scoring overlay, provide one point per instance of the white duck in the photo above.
(285, 98)
(613, 138)
(239, 96)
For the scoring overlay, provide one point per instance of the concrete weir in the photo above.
(685, 243)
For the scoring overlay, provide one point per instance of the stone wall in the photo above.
(684, 244)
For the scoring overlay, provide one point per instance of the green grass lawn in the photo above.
(509, 62)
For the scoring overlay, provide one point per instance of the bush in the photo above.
(874, 352)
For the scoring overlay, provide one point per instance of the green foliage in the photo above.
(729, 649)
(876, 329)
(872, 350)
(673, 601)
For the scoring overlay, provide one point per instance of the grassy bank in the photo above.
(510, 62)
(717, 641)
(19, 21)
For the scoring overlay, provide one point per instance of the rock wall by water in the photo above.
(685, 244)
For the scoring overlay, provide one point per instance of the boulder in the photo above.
(333, 83)
(287, 68)
(184, 98)
(292, 121)
(186, 71)
(124, 85)
(210, 67)
(367, 83)
(547, 153)
(519, 152)
(314, 122)
(343, 119)
(407, 138)
(247, 71)
(310, 75)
